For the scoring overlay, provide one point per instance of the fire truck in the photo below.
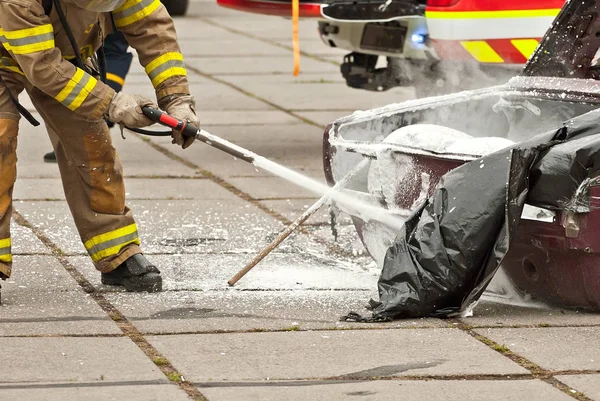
(438, 46)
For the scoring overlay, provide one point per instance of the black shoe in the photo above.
(50, 157)
(136, 274)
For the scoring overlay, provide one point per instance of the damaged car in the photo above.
(499, 187)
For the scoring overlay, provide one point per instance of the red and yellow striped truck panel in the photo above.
(490, 31)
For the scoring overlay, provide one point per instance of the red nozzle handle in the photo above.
(160, 117)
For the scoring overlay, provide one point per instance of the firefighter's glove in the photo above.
(126, 110)
(182, 107)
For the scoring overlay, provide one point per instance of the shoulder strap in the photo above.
(47, 4)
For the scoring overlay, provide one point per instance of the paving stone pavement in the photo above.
(203, 215)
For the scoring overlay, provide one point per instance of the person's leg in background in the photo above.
(118, 62)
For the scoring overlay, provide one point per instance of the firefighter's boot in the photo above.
(136, 274)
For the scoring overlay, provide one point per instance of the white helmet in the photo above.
(100, 6)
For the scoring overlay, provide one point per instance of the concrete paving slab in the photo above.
(348, 241)
(249, 66)
(54, 219)
(136, 188)
(231, 225)
(137, 78)
(215, 161)
(545, 346)
(325, 76)
(24, 241)
(135, 391)
(334, 58)
(286, 77)
(254, 311)
(69, 359)
(211, 118)
(494, 314)
(269, 28)
(289, 138)
(233, 46)
(324, 117)
(317, 354)
(32, 145)
(195, 28)
(315, 46)
(44, 189)
(334, 96)
(214, 96)
(280, 271)
(169, 226)
(389, 391)
(139, 158)
(41, 298)
(293, 209)
(586, 384)
(201, 32)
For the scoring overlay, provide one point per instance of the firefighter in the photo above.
(49, 55)
(118, 61)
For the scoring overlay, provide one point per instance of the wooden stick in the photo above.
(289, 229)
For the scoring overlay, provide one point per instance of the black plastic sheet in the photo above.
(452, 246)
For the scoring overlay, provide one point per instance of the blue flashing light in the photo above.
(418, 38)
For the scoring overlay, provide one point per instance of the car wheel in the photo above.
(176, 7)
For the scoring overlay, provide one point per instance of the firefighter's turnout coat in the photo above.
(36, 56)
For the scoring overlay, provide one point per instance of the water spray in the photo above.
(362, 209)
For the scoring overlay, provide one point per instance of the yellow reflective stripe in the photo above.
(27, 49)
(30, 40)
(134, 11)
(549, 12)
(115, 78)
(157, 62)
(24, 33)
(66, 91)
(5, 252)
(98, 239)
(171, 72)
(111, 243)
(76, 90)
(164, 67)
(112, 250)
(482, 51)
(525, 46)
(83, 94)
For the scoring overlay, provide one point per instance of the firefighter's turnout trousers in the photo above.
(91, 173)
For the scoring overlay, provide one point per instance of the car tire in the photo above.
(176, 7)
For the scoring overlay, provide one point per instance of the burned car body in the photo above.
(551, 254)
